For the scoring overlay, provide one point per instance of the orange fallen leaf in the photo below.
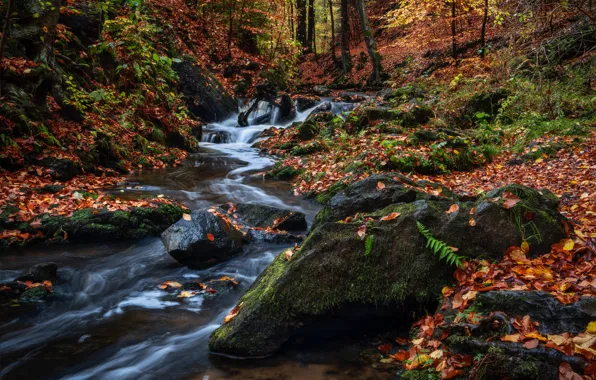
(514, 338)
(170, 284)
(391, 216)
(186, 217)
(210, 237)
(531, 344)
(380, 185)
(452, 209)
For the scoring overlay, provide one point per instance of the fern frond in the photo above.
(368, 244)
(439, 247)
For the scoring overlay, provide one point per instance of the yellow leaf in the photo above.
(170, 284)
(416, 342)
(525, 247)
(186, 294)
(591, 328)
(568, 244)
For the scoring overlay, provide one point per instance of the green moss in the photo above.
(283, 172)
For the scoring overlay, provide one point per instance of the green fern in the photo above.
(368, 244)
(439, 247)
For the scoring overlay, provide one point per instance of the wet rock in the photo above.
(487, 102)
(321, 91)
(335, 269)
(272, 237)
(61, 169)
(287, 111)
(553, 316)
(255, 215)
(426, 135)
(216, 287)
(363, 196)
(303, 103)
(36, 294)
(40, 273)
(313, 125)
(86, 24)
(51, 189)
(205, 97)
(202, 241)
(102, 225)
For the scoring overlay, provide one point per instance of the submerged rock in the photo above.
(337, 268)
(40, 273)
(255, 215)
(203, 240)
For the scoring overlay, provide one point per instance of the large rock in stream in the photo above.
(214, 235)
(205, 96)
(336, 271)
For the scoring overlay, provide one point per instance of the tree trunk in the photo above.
(453, 44)
(292, 31)
(483, 31)
(371, 44)
(311, 25)
(301, 22)
(4, 37)
(346, 60)
(332, 31)
(232, 8)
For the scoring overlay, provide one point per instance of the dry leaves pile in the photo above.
(22, 201)
(567, 272)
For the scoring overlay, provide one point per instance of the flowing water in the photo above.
(109, 320)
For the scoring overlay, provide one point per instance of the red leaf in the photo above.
(210, 237)
(384, 348)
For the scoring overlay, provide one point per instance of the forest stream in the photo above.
(110, 320)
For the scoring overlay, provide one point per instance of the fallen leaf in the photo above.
(531, 344)
(391, 216)
(210, 237)
(452, 209)
(170, 284)
(567, 373)
(384, 348)
(289, 253)
(362, 231)
(186, 294)
(514, 338)
(186, 217)
(472, 222)
(380, 185)
(458, 301)
(525, 247)
(568, 244)
(233, 313)
(591, 328)
(510, 200)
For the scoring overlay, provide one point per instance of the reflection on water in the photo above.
(109, 320)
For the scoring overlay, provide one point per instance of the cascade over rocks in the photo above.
(335, 270)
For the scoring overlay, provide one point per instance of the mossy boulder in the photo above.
(282, 172)
(103, 225)
(487, 102)
(366, 116)
(312, 125)
(336, 270)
